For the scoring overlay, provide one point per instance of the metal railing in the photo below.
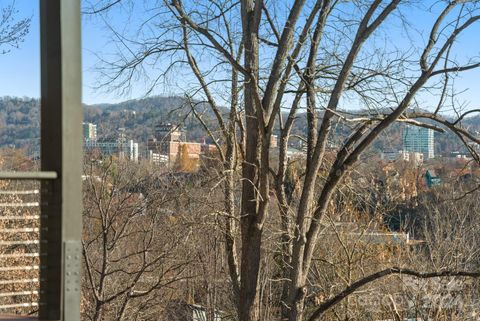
(20, 240)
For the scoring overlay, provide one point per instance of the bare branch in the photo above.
(375, 276)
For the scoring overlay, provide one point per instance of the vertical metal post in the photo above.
(61, 151)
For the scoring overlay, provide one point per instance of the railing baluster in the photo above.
(19, 245)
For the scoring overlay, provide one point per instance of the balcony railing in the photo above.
(19, 247)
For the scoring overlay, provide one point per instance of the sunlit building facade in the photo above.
(419, 140)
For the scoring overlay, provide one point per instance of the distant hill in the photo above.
(20, 119)
(139, 117)
(19, 123)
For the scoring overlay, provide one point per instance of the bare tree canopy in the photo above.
(257, 66)
(12, 29)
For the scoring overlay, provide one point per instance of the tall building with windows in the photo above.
(165, 134)
(169, 141)
(89, 131)
(132, 151)
(419, 140)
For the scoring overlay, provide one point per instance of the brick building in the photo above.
(169, 141)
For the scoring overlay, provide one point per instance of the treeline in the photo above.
(20, 123)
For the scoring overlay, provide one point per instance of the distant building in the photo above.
(104, 147)
(168, 132)
(122, 143)
(156, 158)
(89, 131)
(391, 156)
(169, 141)
(460, 156)
(165, 134)
(193, 150)
(119, 146)
(273, 141)
(431, 178)
(420, 140)
(133, 151)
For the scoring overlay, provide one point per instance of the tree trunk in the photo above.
(251, 231)
(249, 287)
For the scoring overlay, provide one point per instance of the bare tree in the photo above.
(134, 256)
(267, 62)
(12, 30)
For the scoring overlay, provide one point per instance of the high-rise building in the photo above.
(133, 151)
(122, 143)
(165, 134)
(419, 140)
(89, 131)
(170, 141)
(168, 132)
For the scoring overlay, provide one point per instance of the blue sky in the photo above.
(20, 68)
